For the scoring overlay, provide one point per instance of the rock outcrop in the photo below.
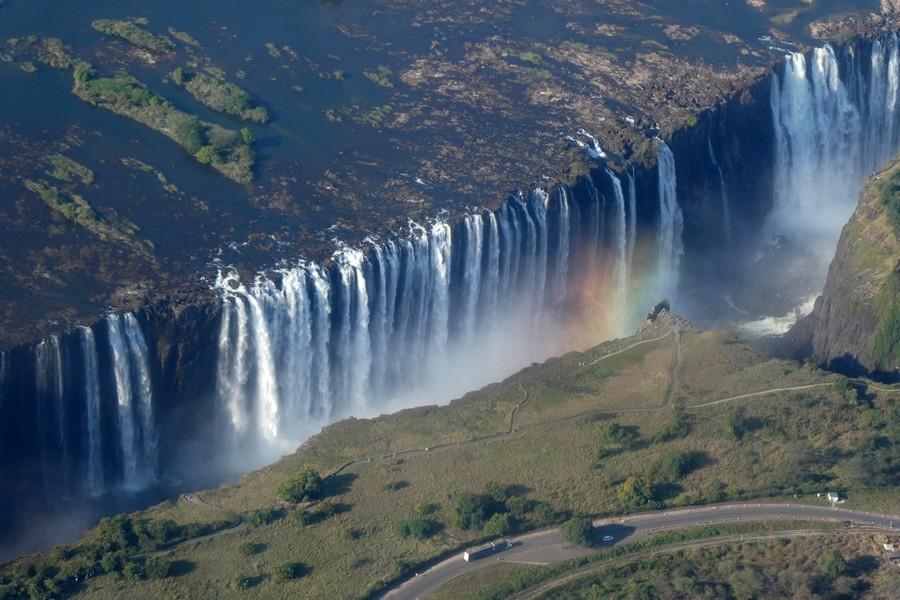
(855, 325)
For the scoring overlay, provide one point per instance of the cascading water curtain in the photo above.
(425, 317)
(835, 119)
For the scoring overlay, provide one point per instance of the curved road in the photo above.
(547, 546)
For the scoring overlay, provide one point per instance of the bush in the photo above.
(242, 582)
(247, 135)
(679, 427)
(419, 528)
(305, 484)
(619, 435)
(134, 571)
(831, 565)
(251, 548)
(499, 524)
(289, 571)
(471, 511)
(678, 464)
(635, 492)
(157, 568)
(208, 155)
(577, 531)
(264, 516)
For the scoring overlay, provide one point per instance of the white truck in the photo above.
(486, 550)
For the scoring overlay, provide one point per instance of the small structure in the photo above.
(894, 558)
(486, 550)
(834, 498)
(888, 547)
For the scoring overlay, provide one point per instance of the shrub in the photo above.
(178, 76)
(471, 511)
(264, 516)
(635, 492)
(679, 427)
(831, 565)
(577, 531)
(305, 484)
(157, 568)
(615, 434)
(419, 528)
(242, 582)
(208, 155)
(289, 571)
(134, 571)
(499, 524)
(247, 135)
(251, 548)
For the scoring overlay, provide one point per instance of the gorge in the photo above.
(149, 400)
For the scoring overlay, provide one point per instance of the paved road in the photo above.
(546, 546)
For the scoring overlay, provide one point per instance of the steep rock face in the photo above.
(855, 326)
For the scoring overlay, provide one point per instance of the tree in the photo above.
(577, 531)
(208, 155)
(499, 524)
(636, 491)
(678, 464)
(289, 571)
(178, 76)
(517, 506)
(615, 434)
(247, 135)
(471, 511)
(831, 565)
(419, 528)
(157, 568)
(734, 426)
(746, 584)
(305, 484)
(678, 428)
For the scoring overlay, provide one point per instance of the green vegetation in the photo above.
(420, 528)
(691, 120)
(220, 95)
(804, 567)
(130, 31)
(578, 531)
(289, 571)
(66, 169)
(184, 38)
(369, 533)
(305, 484)
(890, 196)
(223, 149)
(76, 209)
(635, 492)
(886, 345)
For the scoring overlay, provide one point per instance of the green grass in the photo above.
(793, 443)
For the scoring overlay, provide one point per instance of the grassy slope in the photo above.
(791, 440)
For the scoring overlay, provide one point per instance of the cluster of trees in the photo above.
(113, 547)
(498, 511)
(304, 485)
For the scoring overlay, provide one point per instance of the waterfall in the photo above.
(671, 223)
(94, 483)
(49, 390)
(828, 119)
(561, 268)
(620, 238)
(134, 400)
(474, 227)
(632, 223)
(726, 209)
